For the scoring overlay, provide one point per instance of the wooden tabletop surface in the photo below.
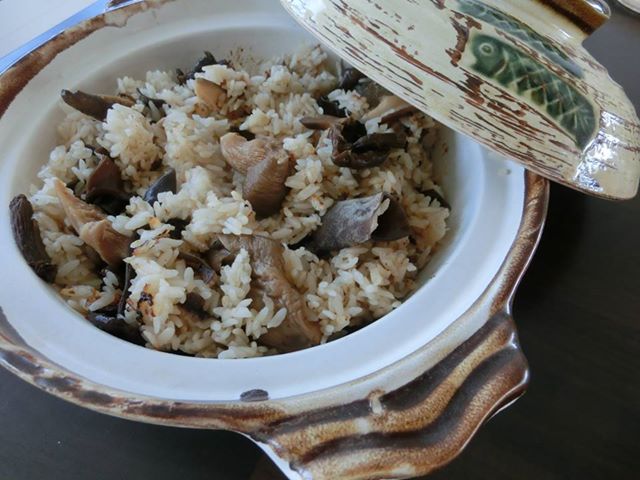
(578, 313)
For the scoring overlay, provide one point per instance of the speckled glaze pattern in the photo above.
(513, 75)
(404, 420)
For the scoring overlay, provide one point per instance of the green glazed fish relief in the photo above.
(515, 27)
(526, 77)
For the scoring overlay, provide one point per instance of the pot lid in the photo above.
(512, 75)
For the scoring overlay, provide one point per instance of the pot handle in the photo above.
(418, 418)
(418, 414)
(586, 15)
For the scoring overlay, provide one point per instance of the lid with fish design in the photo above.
(512, 75)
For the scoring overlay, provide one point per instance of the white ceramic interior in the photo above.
(486, 193)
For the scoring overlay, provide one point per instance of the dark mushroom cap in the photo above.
(264, 186)
(166, 183)
(359, 220)
(95, 106)
(349, 78)
(353, 148)
(27, 236)
(105, 188)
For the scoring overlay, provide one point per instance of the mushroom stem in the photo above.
(321, 122)
(389, 105)
(240, 153)
(105, 188)
(297, 331)
(266, 166)
(210, 93)
(27, 236)
(95, 106)
(93, 227)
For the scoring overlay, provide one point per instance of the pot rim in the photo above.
(264, 420)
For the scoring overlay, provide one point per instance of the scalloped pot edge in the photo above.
(405, 420)
(512, 75)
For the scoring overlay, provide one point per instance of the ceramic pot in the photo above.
(396, 399)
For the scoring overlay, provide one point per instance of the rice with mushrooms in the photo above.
(349, 288)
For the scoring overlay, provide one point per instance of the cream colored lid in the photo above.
(512, 75)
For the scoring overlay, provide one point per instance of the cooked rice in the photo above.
(355, 286)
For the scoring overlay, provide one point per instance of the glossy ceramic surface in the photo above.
(397, 399)
(513, 75)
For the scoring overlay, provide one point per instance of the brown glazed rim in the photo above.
(405, 420)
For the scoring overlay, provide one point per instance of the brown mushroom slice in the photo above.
(154, 105)
(93, 227)
(331, 107)
(200, 266)
(349, 78)
(396, 115)
(110, 322)
(379, 141)
(389, 109)
(343, 137)
(166, 183)
(211, 94)
(296, 331)
(95, 106)
(372, 91)
(321, 122)
(105, 188)
(240, 153)
(264, 187)
(218, 256)
(27, 236)
(352, 222)
(205, 61)
(158, 103)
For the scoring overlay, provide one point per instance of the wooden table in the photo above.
(578, 312)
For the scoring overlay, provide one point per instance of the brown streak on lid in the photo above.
(587, 15)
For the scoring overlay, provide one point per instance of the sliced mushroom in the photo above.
(153, 104)
(166, 183)
(331, 107)
(390, 108)
(349, 78)
(148, 101)
(321, 122)
(194, 303)
(264, 187)
(105, 188)
(297, 331)
(396, 115)
(92, 227)
(218, 256)
(95, 106)
(434, 195)
(211, 94)
(200, 266)
(372, 91)
(353, 148)
(27, 236)
(205, 61)
(379, 142)
(352, 222)
(178, 227)
(108, 321)
(243, 133)
(240, 153)
(129, 273)
(266, 166)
